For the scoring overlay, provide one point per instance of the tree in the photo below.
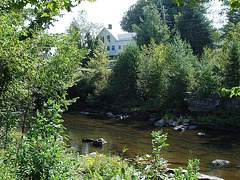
(208, 79)
(233, 4)
(194, 27)
(40, 13)
(99, 65)
(52, 7)
(231, 54)
(153, 73)
(182, 71)
(123, 85)
(133, 16)
(84, 35)
(167, 10)
(191, 22)
(151, 27)
(233, 17)
(32, 93)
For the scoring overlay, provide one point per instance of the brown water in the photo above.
(137, 138)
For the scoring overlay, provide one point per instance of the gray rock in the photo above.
(201, 176)
(122, 116)
(207, 177)
(173, 123)
(152, 119)
(201, 134)
(185, 120)
(186, 124)
(192, 127)
(220, 162)
(159, 123)
(110, 115)
(180, 128)
(99, 142)
(201, 104)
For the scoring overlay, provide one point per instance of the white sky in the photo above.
(103, 12)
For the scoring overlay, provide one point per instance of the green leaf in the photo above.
(124, 150)
(123, 171)
(45, 15)
(97, 175)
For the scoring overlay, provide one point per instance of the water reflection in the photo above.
(183, 146)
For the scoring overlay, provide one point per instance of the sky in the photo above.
(103, 12)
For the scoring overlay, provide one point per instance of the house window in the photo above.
(113, 48)
(119, 47)
(108, 38)
(102, 39)
(108, 48)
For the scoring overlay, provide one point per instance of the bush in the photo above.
(123, 85)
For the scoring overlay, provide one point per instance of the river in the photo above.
(137, 138)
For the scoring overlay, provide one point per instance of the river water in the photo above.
(137, 138)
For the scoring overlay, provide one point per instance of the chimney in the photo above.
(109, 26)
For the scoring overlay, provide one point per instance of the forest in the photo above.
(173, 55)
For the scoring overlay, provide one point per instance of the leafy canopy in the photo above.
(53, 6)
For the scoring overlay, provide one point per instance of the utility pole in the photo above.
(164, 15)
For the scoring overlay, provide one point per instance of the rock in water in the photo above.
(87, 140)
(99, 142)
(159, 123)
(220, 162)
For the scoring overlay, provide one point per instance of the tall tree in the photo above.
(84, 34)
(182, 71)
(194, 27)
(231, 56)
(166, 8)
(133, 16)
(151, 27)
(233, 18)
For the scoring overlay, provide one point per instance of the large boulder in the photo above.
(202, 104)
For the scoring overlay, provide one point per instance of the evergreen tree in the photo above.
(233, 66)
(182, 71)
(233, 17)
(231, 56)
(194, 28)
(151, 27)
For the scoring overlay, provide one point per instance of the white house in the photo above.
(115, 42)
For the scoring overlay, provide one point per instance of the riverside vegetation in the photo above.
(34, 84)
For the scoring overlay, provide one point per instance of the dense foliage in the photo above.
(153, 19)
